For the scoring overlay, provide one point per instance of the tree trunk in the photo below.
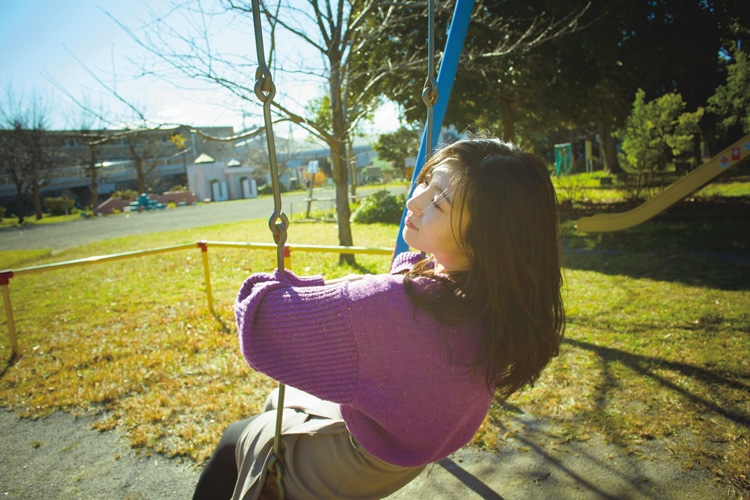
(352, 162)
(338, 157)
(94, 188)
(697, 153)
(572, 141)
(343, 213)
(94, 177)
(611, 164)
(19, 202)
(36, 197)
(508, 115)
(140, 176)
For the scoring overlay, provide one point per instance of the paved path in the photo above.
(61, 457)
(80, 232)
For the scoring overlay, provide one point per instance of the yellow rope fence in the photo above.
(6, 275)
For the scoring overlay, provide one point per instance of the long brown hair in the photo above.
(512, 239)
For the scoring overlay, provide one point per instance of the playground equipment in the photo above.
(695, 180)
(144, 202)
(563, 159)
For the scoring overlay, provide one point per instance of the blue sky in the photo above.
(45, 37)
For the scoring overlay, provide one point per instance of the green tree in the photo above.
(633, 44)
(655, 133)
(731, 101)
(397, 146)
(498, 71)
(583, 82)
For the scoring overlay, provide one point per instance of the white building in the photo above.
(218, 181)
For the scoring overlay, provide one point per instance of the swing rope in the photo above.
(265, 90)
(430, 91)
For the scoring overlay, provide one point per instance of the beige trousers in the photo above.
(322, 461)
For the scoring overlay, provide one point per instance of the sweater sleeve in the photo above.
(404, 261)
(297, 331)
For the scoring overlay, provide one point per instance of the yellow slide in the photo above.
(607, 223)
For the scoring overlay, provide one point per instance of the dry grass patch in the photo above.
(656, 348)
(134, 341)
(648, 360)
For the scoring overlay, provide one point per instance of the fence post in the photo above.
(5, 277)
(203, 245)
(287, 257)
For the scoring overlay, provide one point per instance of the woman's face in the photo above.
(432, 224)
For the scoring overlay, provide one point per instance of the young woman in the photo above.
(392, 372)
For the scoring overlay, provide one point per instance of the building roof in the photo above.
(204, 158)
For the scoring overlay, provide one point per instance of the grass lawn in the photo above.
(30, 219)
(657, 343)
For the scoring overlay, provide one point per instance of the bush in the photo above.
(2, 212)
(60, 206)
(571, 188)
(125, 194)
(268, 189)
(656, 133)
(380, 207)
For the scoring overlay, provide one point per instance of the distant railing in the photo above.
(8, 274)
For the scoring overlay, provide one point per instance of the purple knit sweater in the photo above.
(402, 379)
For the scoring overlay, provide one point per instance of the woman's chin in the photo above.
(407, 235)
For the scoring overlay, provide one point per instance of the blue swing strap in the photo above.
(436, 110)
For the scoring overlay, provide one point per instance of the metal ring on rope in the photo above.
(264, 87)
(265, 90)
(430, 92)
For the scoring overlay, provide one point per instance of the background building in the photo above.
(162, 156)
(160, 160)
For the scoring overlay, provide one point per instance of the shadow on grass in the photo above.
(721, 271)
(579, 478)
(224, 327)
(700, 242)
(585, 470)
(362, 269)
(9, 363)
(643, 366)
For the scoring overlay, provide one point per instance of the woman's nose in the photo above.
(416, 204)
(411, 205)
